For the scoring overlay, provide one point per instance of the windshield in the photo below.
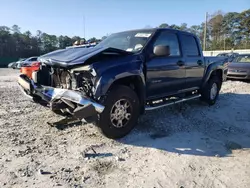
(131, 41)
(242, 59)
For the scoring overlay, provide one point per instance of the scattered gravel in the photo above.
(186, 145)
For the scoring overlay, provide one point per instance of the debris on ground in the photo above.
(43, 172)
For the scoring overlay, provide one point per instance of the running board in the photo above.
(166, 103)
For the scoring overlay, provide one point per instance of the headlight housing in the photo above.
(84, 78)
(88, 68)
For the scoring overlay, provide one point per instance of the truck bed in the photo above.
(212, 59)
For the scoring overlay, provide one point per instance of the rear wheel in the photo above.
(211, 90)
(121, 112)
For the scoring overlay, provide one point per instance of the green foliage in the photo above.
(175, 26)
(224, 31)
(244, 24)
(15, 44)
(164, 25)
(64, 41)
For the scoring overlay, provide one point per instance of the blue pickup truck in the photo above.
(124, 75)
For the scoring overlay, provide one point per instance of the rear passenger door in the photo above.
(194, 61)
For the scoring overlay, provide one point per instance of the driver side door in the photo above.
(165, 75)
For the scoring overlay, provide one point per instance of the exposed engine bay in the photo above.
(81, 81)
(65, 91)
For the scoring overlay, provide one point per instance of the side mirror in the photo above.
(161, 50)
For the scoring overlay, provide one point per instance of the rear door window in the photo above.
(189, 45)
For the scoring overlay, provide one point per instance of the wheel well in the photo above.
(136, 84)
(218, 73)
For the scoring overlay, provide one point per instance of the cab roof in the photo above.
(157, 29)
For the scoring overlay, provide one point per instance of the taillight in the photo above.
(36, 64)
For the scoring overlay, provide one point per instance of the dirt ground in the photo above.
(187, 145)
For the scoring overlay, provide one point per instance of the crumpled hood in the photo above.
(75, 56)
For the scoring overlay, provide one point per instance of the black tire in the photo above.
(119, 93)
(206, 91)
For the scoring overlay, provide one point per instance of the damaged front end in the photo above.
(67, 81)
(66, 92)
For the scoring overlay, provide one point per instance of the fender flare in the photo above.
(210, 69)
(104, 84)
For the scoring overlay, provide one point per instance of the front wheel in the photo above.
(211, 90)
(121, 112)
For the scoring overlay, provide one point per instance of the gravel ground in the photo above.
(186, 145)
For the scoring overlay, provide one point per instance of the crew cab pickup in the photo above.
(123, 76)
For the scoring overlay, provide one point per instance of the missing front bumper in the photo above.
(61, 99)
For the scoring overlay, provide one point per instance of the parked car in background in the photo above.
(231, 56)
(18, 63)
(28, 61)
(124, 75)
(12, 65)
(239, 68)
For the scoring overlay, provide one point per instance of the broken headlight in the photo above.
(83, 79)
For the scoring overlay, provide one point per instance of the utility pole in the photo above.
(205, 33)
(84, 26)
(224, 42)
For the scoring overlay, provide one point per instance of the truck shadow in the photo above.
(193, 128)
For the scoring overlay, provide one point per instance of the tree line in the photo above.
(14, 43)
(224, 31)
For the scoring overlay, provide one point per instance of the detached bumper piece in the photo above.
(66, 101)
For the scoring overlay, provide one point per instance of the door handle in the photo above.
(180, 63)
(199, 62)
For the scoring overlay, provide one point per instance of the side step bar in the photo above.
(153, 107)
